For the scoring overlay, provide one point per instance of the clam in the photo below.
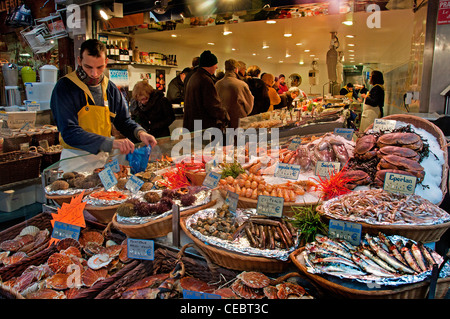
(98, 261)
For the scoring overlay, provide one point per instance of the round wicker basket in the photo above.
(104, 214)
(236, 261)
(156, 228)
(60, 199)
(411, 291)
(196, 179)
(432, 129)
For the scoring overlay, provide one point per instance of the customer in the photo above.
(373, 101)
(269, 80)
(86, 106)
(151, 109)
(195, 62)
(287, 98)
(282, 87)
(242, 68)
(259, 90)
(201, 99)
(234, 94)
(175, 90)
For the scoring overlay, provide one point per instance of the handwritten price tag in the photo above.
(107, 177)
(346, 133)
(114, 165)
(400, 183)
(232, 201)
(384, 125)
(270, 205)
(141, 249)
(289, 171)
(134, 184)
(350, 232)
(325, 168)
(295, 143)
(63, 230)
(212, 179)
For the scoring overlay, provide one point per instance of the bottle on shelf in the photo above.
(175, 59)
(107, 49)
(116, 51)
(121, 58)
(130, 53)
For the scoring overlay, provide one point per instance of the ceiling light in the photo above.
(351, 45)
(233, 49)
(173, 35)
(307, 50)
(351, 50)
(210, 43)
(351, 55)
(350, 36)
(301, 62)
(227, 32)
(104, 15)
(265, 46)
(116, 10)
(287, 55)
(253, 53)
(281, 61)
(299, 43)
(269, 57)
(312, 55)
(271, 22)
(348, 22)
(288, 35)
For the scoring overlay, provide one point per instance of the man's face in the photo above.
(182, 76)
(93, 66)
(211, 69)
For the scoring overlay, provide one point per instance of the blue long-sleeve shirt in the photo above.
(67, 100)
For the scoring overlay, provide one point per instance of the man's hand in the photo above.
(147, 139)
(125, 146)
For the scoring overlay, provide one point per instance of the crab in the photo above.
(366, 147)
(358, 177)
(402, 164)
(399, 151)
(404, 139)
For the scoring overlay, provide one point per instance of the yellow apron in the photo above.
(92, 118)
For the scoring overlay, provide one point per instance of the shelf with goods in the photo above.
(139, 64)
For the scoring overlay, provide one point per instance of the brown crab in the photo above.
(359, 177)
(402, 164)
(399, 151)
(405, 139)
(365, 147)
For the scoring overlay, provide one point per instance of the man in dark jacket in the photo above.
(201, 99)
(259, 90)
(175, 91)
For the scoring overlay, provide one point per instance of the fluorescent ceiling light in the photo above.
(271, 22)
(227, 32)
(301, 62)
(269, 57)
(173, 35)
(288, 35)
(281, 61)
(351, 45)
(210, 43)
(265, 46)
(307, 50)
(233, 49)
(253, 53)
(299, 43)
(348, 23)
(350, 36)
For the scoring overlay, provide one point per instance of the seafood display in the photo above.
(28, 242)
(251, 186)
(73, 182)
(158, 203)
(104, 197)
(376, 206)
(387, 260)
(244, 232)
(406, 150)
(75, 266)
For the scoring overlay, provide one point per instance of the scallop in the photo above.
(98, 261)
(30, 230)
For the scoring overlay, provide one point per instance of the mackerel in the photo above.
(428, 257)
(393, 249)
(335, 260)
(383, 254)
(339, 270)
(336, 250)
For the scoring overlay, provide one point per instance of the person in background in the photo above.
(269, 80)
(242, 70)
(201, 99)
(261, 102)
(195, 62)
(219, 76)
(287, 98)
(276, 83)
(86, 106)
(347, 91)
(151, 109)
(373, 101)
(175, 90)
(282, 86)
(234, 94)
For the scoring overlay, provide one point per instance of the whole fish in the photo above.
(334, 260)
(410, 259)
(339, 269)
(428, 257)
(366, 251)
(417, 255)
(393, 249)
(370, 266)
(383, 254)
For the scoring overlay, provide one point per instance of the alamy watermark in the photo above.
(374, 19)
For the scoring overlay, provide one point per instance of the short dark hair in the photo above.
(377, 77)
(349, 85)
(93, 47)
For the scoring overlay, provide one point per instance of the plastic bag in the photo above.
(139, 159)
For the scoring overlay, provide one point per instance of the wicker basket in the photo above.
(165, 261)
(18, 166)
(11, 144)
(432, 129)
(42, 221)
(104, 214)
(61, 199)
(156, 228)
(236, 261)
(424, 234)
(411, 291)
(43, 256)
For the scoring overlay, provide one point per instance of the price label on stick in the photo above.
(63, 230)
(400, 183)
(114, 165)
(270, 205)
(384, 125)
(134, 184)
(288, 171)
(212, 179)
(325, 168)
(350, 232)
(141, 249)
(232, 201)
(108, 178)
(295, 143)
